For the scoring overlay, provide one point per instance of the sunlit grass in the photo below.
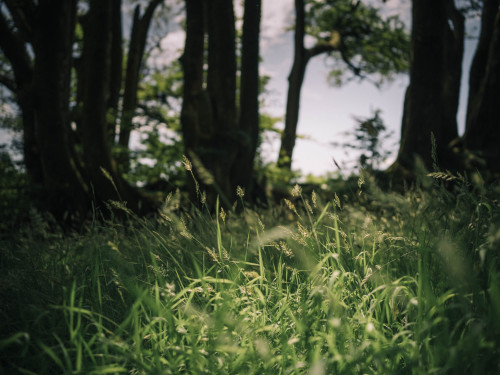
(368, 283)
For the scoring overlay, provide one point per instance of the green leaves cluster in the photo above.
(367, 44)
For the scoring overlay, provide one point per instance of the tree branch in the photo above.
(22, 12)
(319, 49)
(14, 49)
(8, 82)
(355, 69)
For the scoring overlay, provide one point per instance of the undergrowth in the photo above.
(367, 283)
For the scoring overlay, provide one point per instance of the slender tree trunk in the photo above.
(432, 97)
(242, 171)
(295, 80)
(137, 46)
(115, 82)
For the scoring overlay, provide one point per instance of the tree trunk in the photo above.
(15, 51)
(432, 97)
(221, 152)
(242, 171)
(137, 45)
(99, 164)
(295, 80)
(208, 115)
(196, 112)
(482, 133)
(115, 82)
(53, 42)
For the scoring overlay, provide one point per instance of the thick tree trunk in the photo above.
(221, 87)
(482, 133)
(209, 115)
(137, 45)
(242, 171)
(196, 112)
(480, 60)
(432, 97)
(53, 41)
(99, 164)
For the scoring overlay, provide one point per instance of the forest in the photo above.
(144, 231)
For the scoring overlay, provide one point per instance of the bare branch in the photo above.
(8, 82)
(22, 12)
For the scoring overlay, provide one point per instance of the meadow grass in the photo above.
(366, 283)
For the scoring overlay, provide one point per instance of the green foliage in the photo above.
(367, 44)
(368, 138)
(370, 283)
(14, 202)
(155, 162)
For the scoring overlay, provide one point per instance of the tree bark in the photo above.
(242, 170)
(295, 81)
(101, 168)
(432, 97)
(15, 51)
(115, 82)
(482, 133)
(208, 114)
(137, 45)
(221, 152)
(53, 42)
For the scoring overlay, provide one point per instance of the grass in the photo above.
(365, 283)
